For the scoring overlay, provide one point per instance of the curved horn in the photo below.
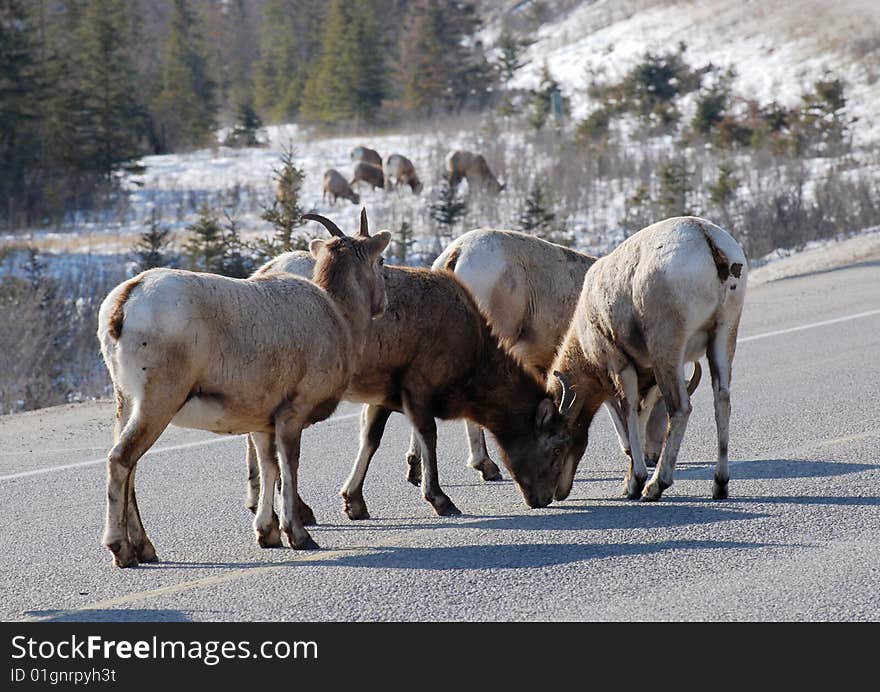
(568, 395)
(326, 223)
(695, 378)
(364, 232)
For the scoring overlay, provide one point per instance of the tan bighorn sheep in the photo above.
(527, 288)
(403, 172)
(336, 186)
(465, 164)
(269, 355)
(370, 156)
(368, 173)
(433, 355)
(665, 296)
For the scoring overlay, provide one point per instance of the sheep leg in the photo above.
(373, 420)
(426, 428)
(265, 520)
(414, 460)
(478, 457)
(143, 546)
(288, 434)
(615, 413)
(253, 487)
(138, 435)
(638, 472)
(253, 478)
(652, 425)
(720, 356)
(674, 389)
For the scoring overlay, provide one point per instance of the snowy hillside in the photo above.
(775, 53)
(777, 48)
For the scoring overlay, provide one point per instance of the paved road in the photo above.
(798, 540)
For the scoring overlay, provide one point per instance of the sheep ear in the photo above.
(379, 242)
(544, 414)
(315, 247)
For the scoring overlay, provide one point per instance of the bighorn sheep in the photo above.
(336, 186)
(433, 355)
(370, 156)
(527, 288)
(465, 164)
(269, 355)
(404, 173)
(665, 296)
(368, 173)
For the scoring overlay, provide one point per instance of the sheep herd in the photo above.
(511, 333)
(397, 171)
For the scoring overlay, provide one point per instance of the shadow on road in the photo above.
(519, 555)
(762, 469)
(109, 615)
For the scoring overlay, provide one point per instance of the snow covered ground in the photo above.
(777, 48)
(776, 53)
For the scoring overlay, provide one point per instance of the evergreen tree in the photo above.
(205, 248)
(290, 41)
(403, 241)
(149, 250)
(448, 208)
(112, 119)
(675, 186)
(510, 52)
(348, 80)
(19, 93)
(238, 260)
(537, 216)
(439, 67)
(285, 214)
(185, 105)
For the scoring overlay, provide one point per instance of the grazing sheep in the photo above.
(665, 296)
(336, 186)
(403, 172)
(370, 156)
(433, 355)
(527, 288)
(269, 355)
(370, 174)
(465, 164)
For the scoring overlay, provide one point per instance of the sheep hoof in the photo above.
(487, 468)
(146, 552)
(445, 507)
(719, 490)
(270, 538)
(356, 511)
(633, 489)
(653, 491)
(123, 554)
(306, 515)
(306, 544)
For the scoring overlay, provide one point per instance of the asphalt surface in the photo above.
(797, 540)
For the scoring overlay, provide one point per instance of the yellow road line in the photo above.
(213, 580)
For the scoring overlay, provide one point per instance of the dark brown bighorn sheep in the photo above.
(472, 167)
(527, 288)
(336, 186)
(269, 355)
(370, 156)
(368, 173)
(433, 355)
(401, 170)
(667, 295)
